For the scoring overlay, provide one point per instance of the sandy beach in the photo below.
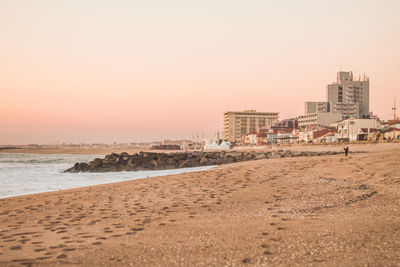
(328, 210)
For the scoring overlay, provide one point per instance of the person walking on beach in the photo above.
(346, 150)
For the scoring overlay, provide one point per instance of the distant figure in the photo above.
(346, 150)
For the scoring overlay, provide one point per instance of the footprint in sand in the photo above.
(115, 235)
(246, 260)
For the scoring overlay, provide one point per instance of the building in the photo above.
(285, 138)
(262, 138)
(322, 119)
(355, 129)
(287, 125)
(391, 134)
(349, 97)
(238, 124)
(316, 107)
(324, 135)
(250, 139)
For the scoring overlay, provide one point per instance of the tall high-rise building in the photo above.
(238, 124)
(348, 96)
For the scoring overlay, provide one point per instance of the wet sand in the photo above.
(329, 210)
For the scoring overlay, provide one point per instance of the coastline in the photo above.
(184, 170)
(24, 174)
(294, 147)
(328, 210)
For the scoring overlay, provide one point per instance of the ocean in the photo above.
(22, 174)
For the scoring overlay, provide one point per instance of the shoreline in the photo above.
(109, 183)
(328, 210)
(143, 175)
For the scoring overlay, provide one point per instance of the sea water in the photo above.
(22, 174)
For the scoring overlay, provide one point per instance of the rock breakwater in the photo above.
(162, 161)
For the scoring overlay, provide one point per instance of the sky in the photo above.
(129, 71)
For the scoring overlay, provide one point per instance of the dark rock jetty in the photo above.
(161, 161)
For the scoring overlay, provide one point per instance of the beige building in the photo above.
(238, 124)
(318, 118)
(316, 106)
(348, 96)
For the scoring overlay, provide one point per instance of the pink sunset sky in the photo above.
(127, 71)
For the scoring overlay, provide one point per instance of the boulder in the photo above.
(260, 156)
(212, 155)
(171, 161)
(189, 163)
(84, 166)
(204, 160)
(96, 162)
(275, 155)
(149, 164)
(248, 156)
(161, 161)
(233, 154)
(179, 156)
(212, 162)
(287, 153)
(228, 160)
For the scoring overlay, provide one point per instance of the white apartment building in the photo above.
(351, 129)
(238, 124)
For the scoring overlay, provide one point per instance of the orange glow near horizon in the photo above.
(127, 71)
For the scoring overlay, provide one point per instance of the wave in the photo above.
(32, 161)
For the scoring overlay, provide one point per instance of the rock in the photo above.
(179, 156)
(151, 165)
(84, 166)
(171, 161)
(228, 160)
(248, 156)
(189, 163)
(274, 155)
(204, 160)
(212, 162)
(76, 166)
(260, 156)
(233, 154)
(212, 155)
(287, 153)
(96, 162)
(151, 155)
(161, 161)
